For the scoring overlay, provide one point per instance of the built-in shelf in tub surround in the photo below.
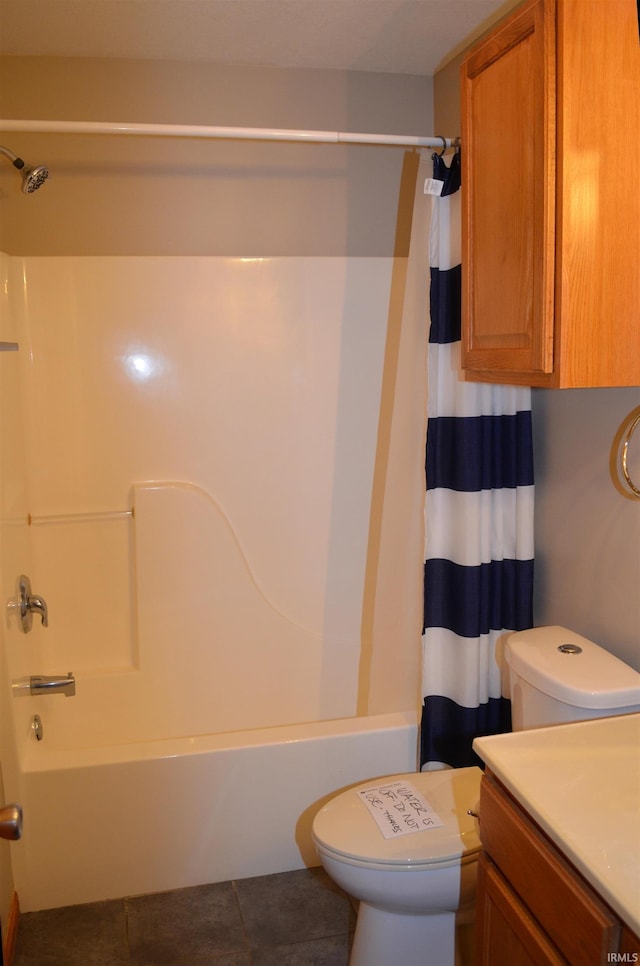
(581, 783)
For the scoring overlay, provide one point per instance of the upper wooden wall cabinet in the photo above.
(551, 197)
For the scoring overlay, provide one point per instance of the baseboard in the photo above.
(11, 930)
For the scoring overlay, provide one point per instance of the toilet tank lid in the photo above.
(591, 678)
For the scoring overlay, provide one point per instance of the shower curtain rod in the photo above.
(230, 133)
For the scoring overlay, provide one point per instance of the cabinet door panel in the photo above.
(507, 933)
(508, 200)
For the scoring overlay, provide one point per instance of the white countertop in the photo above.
(581, 783)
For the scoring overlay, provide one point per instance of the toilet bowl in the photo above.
(417, 890)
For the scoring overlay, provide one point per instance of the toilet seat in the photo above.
(345, 830)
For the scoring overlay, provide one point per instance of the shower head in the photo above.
(32, 178)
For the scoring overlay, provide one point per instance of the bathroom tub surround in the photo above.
(233, 403)
(580, 783)
(196, 445)
(232, 661)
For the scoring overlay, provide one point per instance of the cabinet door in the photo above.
(578, 923)
(506, 931)
(508, 195)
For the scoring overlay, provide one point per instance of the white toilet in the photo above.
(416, 890)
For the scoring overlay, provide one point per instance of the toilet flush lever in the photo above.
(30, 604)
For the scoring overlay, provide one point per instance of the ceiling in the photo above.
(399, 36)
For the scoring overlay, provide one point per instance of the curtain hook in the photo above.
(444, 144)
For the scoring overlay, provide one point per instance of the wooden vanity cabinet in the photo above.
(551, 197)
(533, 907)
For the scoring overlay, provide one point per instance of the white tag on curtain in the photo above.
(398, 808)
(433, 187)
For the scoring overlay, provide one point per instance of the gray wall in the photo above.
(116, 195)
(587, 530)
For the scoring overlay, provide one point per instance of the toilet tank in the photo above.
(558, 676)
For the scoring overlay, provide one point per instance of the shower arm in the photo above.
(15, 160)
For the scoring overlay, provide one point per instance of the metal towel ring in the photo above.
(631, 428)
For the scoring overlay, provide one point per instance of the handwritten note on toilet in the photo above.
(399, 809)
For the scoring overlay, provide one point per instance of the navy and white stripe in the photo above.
(478, 575)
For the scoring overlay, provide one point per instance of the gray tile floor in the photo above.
(291, 919)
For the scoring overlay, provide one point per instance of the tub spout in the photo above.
(53, 684)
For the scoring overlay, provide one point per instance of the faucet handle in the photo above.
(30, 604)
(53, 684)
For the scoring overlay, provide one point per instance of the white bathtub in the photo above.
(108, 822)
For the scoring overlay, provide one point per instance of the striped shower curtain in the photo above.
(478, 573)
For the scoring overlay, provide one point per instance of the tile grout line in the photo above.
(245, 931)
(125, 905)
